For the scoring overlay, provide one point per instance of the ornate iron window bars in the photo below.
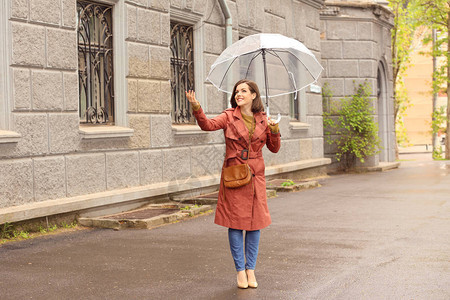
(182, 71)
(95, 63)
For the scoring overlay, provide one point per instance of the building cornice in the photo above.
(314, 3)
(355, 19)
(377, 8)
(382, 14)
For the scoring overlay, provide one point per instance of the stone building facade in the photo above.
(53, 160)
(356, 46)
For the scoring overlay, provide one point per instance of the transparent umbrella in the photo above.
(278, 64)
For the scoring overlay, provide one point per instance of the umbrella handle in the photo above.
(278, 117)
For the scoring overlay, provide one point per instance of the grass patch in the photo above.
(11, 233)
(189, 207)
(287, 183)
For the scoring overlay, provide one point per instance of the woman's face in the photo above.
(244, 97)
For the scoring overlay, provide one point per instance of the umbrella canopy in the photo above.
(278, 64)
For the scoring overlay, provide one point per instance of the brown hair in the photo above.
(257, 105)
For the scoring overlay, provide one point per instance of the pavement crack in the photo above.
(385, 263)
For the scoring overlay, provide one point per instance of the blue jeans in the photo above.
(235, 236)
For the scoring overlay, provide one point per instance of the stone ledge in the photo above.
(104, 131)
(211, 198)
(297, 165)
(277, 185)
(9, 137)
(383, 166)
(122, 196)
(180, 130)
(299, 126)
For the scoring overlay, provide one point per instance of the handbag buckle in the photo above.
(244, 154)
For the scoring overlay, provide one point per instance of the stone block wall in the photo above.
(355, 41)
(53, 160)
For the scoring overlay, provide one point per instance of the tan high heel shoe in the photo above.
(242, 284)
(251, 279)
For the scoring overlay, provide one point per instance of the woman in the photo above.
(243, 208)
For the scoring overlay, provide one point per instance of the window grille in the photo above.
(182, 71)
(95, 63)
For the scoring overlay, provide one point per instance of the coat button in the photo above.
(262, 141)
(253, 175)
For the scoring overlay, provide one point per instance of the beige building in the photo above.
(418, 79)
(418, 83)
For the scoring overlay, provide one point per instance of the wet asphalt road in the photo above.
(367, 236)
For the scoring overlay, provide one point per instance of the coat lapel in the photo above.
(240, 127)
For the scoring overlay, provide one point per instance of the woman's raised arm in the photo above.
(206, 124)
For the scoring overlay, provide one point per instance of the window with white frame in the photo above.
(95, 63)
(294, 106)
(298, 106)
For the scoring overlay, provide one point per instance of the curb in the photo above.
(186, 210)
(118, 224)
(211, 198)
(297, 186)
(380, 168)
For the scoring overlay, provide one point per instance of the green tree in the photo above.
(438, 119)
(435, 14)
(402, 34)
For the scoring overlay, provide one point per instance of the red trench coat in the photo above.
(245, 207)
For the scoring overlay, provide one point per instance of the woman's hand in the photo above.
(273, 125)
(270, 121)
(190, 95)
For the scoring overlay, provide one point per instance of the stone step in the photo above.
(211, 198)
(287, 185)
(381, 167)
(150, 216)
(154, 215)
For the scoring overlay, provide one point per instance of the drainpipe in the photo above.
(228, 23)
(228, 30)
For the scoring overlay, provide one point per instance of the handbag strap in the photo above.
(250, 138)
(247, 150)
(249, 141)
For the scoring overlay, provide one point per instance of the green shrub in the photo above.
(354, 126)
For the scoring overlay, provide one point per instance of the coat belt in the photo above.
(237, 153)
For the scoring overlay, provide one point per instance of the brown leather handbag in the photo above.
(237, 176)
